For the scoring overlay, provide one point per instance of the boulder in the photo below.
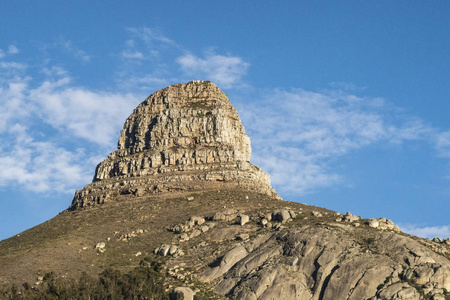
(182, 293)
(244, 219)
(316, 214)
(349, 217)
(100, 245)
(374, 223)
(282, 215)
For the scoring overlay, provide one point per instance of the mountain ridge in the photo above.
(181, 193)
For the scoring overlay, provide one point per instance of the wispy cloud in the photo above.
(41, 166)
(146, 43)
(93, 116)
(47, 127)
(133, 55)
(442, 141)
(12, 104)
(12, 49)
(150, 35)
(143, 83)
(74, 51)
(153, 57)
(429, 232)
(145, 60)
(54, 72)
(226, 71)
(297, 134)
(12, 65)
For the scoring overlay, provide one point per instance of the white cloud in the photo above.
(225, 71)
(13, 49)
(146, 43)
(297, 134)
(94, 116)
(42, 166)
(133, 55)
(35, 157)
(429, 232)
(13, 65)
(55, 71)
(442, 141)
(12, 104)
(150, 36)
(76, 52)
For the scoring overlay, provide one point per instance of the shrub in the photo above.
(143, 282)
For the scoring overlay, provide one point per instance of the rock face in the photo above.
(231, 237)
(297, 259)
(185, 137)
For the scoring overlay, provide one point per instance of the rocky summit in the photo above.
(179, 212)
(186, 137)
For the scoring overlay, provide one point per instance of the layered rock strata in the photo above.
(185, 137)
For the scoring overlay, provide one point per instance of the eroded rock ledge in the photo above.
(185, 137)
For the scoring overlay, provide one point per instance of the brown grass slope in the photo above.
(66, 244)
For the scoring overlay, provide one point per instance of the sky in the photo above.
(346, 102)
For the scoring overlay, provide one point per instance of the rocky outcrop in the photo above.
(185, 137)
(326, 260)
(188, 138)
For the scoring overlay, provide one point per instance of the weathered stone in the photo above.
(349, 217)
(242, 237)
(194, 233)
(163, 250)
(219, 216)
(100, 245)
(197, 220)
(374, 223)
(184, 137)
(173, 250)
(182, 293)
(226, 263)
(184, 237)
(316, 214)
(264, 222)
(244, 219)
(282, 215)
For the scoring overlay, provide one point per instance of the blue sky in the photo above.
(346, 102)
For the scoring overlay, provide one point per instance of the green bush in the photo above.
(142, 283)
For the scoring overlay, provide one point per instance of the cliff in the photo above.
(186, 137)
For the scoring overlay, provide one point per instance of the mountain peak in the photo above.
(184, 137)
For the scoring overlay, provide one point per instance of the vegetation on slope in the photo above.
(143, 282)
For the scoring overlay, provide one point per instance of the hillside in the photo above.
(181, 193)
